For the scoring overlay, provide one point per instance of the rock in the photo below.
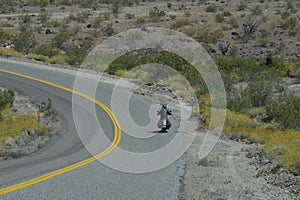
(10, 142)
(48, 31)
(291, 73)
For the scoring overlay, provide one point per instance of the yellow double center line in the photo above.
(113, 145)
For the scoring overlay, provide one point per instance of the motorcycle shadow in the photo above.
(158, 131)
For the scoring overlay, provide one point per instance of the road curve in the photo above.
(92, 181)
(63, 150)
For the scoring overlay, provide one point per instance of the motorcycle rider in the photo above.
(164, 123)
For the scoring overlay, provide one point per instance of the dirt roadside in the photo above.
(28, 141)
(226, 173)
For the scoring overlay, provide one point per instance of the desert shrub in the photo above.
(10, 52)
(25, 18)
(251, 24)
(290, 6)
(46, 50)
(120, 72)
(187, 13)
(12, 124)
(241, 6)
(44, 16)
(4, 8)
(83, 16)
(129, 16)
(289, 24)
(137, 58)
(211, 8)
(286, 111)
(256, 10)
(285, 14)
(4, 36)
(227, 14)
(24, 41)
(224, 46)
(74, 54)
(179, 23)
(233, 51)
(215, 36)
(261, 88)
(59, 39)
(58, 59)
(109, 30)
(115, 8)
(6, 98)
(38, 57)
(140, 22)
(201, 1)
(97, 22)
(173, 17)
(219, 18)
(88, 4)
(156, 13)
(238, 102)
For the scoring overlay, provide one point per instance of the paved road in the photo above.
(95, 180)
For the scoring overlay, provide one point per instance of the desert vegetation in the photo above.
(13, 124)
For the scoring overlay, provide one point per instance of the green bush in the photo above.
(180, 23)
(219, 18)
(4, 36)
(289, 24)
(156, 13)
(241, 6)
(75, 55)
(227, 14)
(233, 22)
(44, 16)
(238, 103)
(211, 8)
(137, 58)
(61, 37)
(6, 9)
(24, 41)
(286, 111)
(129, 16)
(6, 98)
(109, 30)
(25, 18)
(256, 10)
(46, 50)
(140, 22)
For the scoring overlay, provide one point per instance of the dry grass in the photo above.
(281, 145)
(12, 124)
(10, 52)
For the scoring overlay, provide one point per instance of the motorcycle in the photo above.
(164, 125)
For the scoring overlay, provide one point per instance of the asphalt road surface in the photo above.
(94, 180)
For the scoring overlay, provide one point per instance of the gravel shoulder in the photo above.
(226, 173)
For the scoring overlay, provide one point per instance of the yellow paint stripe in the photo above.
(113, 145)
